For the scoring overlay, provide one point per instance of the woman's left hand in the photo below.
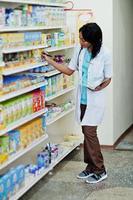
(104, 84)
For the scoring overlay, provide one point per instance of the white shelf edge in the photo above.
(51, 73)
(35, 28)
(52, 49)
(59, 93)
(59, 116)
(19, 49)
(32, 2)
(20, 153)
(32, 182)
(9, 71)
(21, 91)
(22, 121)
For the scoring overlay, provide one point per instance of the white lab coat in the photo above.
(99, 69)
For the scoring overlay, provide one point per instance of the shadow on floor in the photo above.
(126, 143)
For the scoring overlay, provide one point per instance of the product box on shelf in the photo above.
(14, 141)
(21, 137)
(3, 157)
(32, 15)
(2, 189)
(7, 185)
(19, 107)
(58, 83)
(14, 180)
(11, 182)
(4, 144)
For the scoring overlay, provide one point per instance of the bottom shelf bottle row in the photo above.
(21, 178)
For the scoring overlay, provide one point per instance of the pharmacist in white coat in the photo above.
(93, 63)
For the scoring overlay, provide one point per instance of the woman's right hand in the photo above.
(60, 67)
(46, 57)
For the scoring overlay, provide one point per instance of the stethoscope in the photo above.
(78, 56)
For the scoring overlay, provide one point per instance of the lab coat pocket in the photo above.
(95, 74)
(96, 99)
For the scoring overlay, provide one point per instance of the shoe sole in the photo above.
(79, 177)
(91, 182)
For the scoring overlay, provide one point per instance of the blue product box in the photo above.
(7, 185)
(13, 178)
(20, 171)
(2, 188)
(14, 140)
(33, 169)
(46, 159)
(40, 161)
(44, 121)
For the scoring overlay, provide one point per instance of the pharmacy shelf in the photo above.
(59, 116)
(22, 152)
(33, 180)
(28, 28)
(59, 93)
(20, 49)
(21, 91)
(22, 121)
(32, 2)
(51, 73)
(52, 49)
(28, 48)
(9, 71)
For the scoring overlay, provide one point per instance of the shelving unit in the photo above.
(20, 49)
(59, 116)
(51, 73)
(22, 152)
(29, 28)
(21, 91)
(32, 181)
(62, 94)
(58, 48)
(22, 121)
(8, 71)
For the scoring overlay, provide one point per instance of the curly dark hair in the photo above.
(92, 33)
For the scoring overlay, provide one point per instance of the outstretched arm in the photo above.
(62, 68)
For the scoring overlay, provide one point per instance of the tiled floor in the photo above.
(63, 184)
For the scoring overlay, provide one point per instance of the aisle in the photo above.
(63, 184)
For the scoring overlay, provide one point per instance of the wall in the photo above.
(123, 65)
(103, 17)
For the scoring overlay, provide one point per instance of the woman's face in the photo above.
(84, 43)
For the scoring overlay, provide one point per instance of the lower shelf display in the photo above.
(56, 112)
(21, 178)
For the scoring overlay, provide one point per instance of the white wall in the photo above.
(116, 20)
(123, 65)
(103, 15)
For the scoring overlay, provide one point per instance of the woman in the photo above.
(93, 63)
